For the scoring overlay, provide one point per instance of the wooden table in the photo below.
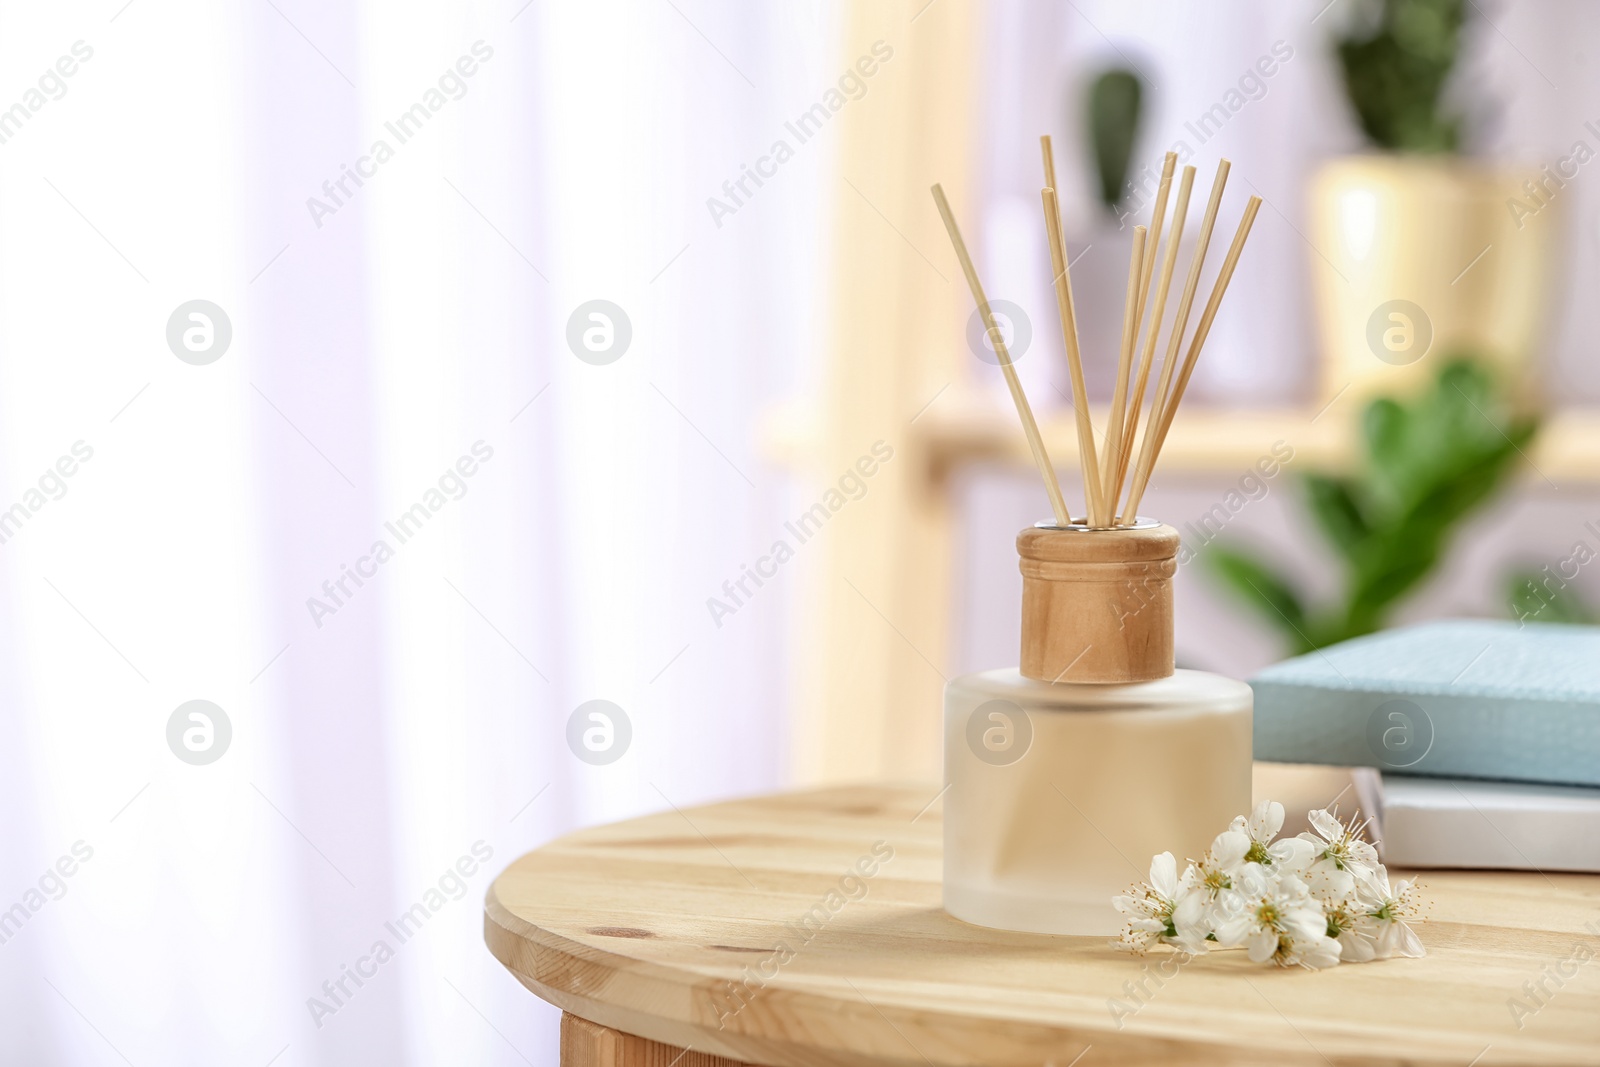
(805, 929)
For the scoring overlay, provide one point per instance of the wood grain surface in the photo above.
(1097, 604)
(804, 929)
(587, 1044)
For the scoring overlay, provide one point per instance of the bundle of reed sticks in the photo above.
(1108, 463)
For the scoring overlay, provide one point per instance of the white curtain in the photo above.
(399, 324)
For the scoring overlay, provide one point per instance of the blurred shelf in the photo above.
(957, 430)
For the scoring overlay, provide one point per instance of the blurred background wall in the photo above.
(388, 335)
(1525, 81)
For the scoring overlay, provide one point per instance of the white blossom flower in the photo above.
(1340, 846)
(1274, 917)
(1262, 828)
(1149, 906)
(1314, 953)
(1391, 908)
(1213, 872)
(1330, 884)
(1354, 929)
(1202, 881)
(1310, 901)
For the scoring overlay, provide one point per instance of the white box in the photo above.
(1458, 822)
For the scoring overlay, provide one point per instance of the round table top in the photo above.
(805, 928)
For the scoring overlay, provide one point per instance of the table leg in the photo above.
(587, 1044)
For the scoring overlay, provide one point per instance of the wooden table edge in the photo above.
(510, 940)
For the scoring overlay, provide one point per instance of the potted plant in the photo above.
(1428, 464)
(1112, 108)
(1418, 249)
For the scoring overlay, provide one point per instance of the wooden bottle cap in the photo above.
(1097, 603)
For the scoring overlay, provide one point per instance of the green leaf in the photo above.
(1537, 596)
(1260, 587)
(1333, 505)
(1395, 74)
(1386, 579)
(1384, 426)
(1431, 461)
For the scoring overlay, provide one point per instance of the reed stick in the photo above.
(1088, 464)
(1158, 309)
(1029, 427)
(1119, 395)
(1158, 216)
(1157, 313)
(1180, 323)
(1224, 276)
(1049, 154)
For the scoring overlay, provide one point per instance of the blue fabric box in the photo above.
(1466, 698)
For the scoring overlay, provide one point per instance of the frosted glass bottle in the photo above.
(1067, 774)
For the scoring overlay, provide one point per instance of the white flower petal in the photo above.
(1228, 850)
(1254, 880)
(1370, 890)
(1410, 943)
(1266, 821)
(1327, 882)
(1261, 945)
(1306, 923)
(1363, 855)
(1227, 907)
(1397, 939)
(1164, 875)
(1190, 878)
(1328, 827)
(1292, 853)
(1190, 910)
(1318, 953)
(1357, 947)
(1232, 932)
(1192, 941)
(1290, 887)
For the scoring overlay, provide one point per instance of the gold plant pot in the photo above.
(1416, 257)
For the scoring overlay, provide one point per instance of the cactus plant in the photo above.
(1115, 100)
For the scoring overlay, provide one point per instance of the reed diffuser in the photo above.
(1094, 752)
